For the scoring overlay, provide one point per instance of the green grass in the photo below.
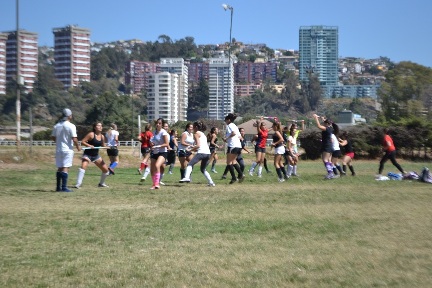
(306, 232)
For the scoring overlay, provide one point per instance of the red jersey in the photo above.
(145, 138)
(262, 138)
(388, 144)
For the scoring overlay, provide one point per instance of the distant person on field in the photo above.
(65, 136)
(326, 143)
(348, 157)
(112, 138)
(144, 138)
(389, 153)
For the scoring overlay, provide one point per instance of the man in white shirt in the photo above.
(65, 136)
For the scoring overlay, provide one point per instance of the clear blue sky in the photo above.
(398, 29)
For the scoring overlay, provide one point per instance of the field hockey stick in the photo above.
(88, 148)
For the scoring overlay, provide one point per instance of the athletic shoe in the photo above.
(241, 178)
(161, 183)
(185, 180)
(139, 171)
(169, 172)
(233, 181)
(343, 174)
(154, 187)
(77, 187)
(281, 179)
(65, 190)
(143, 179)
(268, 171)
(295, 175)
(103, 185)
(250, 173)
(286, 177)
(353, 174)
(259, 175)
(214, 171)
(211, 184)
(223, 177)
(111, 171)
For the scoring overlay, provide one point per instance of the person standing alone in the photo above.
(65, 136)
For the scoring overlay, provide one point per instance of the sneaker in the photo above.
(343, 174)
(185, 180)
(233, 181)
(223, 177)
(139, 171)
(111, 171)
(378, 176)
(353, 174)
(154, 187)
(103, 185)
(65, 190)
(250, 173)
(211, 184)
(286, 177)
(281, 179)
(329, 176)
(143, 179)
(259, 175)
(295, 175)
(161, 183)
(169, 172)
(77, 187)
(268, 171)
(241, 178)
(214, 171)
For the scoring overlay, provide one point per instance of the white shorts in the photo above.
(64, 158)
(280, 150)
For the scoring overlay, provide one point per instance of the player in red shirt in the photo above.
(389, 153)
(144, 138)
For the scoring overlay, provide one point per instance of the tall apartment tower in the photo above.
(27, 57)
(178, 66)
(72, 55)
(318, 48)
(3, 39)
(162, 96)
(221, 87)
(136, 74)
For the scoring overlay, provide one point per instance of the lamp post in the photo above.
(228, 7)
(18, 80)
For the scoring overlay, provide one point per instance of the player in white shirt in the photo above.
(202, 154)
(159, 154)
(232, 138)
(112, 138)
(65, 136)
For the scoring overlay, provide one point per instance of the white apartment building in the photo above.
(221, 87)
(177, 66)
(72, 55)
(163, 97)
(27, 57)
(3, 38)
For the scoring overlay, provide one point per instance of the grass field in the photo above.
(306, 232)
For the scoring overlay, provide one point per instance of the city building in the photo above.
(318, 48)
(178, 66)
(136, 75)
(162, 97)
(3, 39)
(242, 90)
(248, 72)
(198, 71)
(27, 56)
(72, 55)
(221, 88)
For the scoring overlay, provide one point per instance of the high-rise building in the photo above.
(318, 48)
(248, 72)
(136, 74)
(198, 71)
(221, 88)
(3, 38)
(162, 96)
(178, 66)
(27, 57)
(72, 55)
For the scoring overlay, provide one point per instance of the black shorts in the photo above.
(171, 157)
(145, 150)
(234, 150)
(259, 149)
(184, 153)
(337, 154)
(113, 151)
(212, 150)
(156, 156)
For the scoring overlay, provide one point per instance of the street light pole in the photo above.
(228, 7)
(18, 80)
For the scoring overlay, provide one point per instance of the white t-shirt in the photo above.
(233, 142)
(111, 138)
(335, 143)
(189, 140)
(203, 146)
(63, 132)
(159, 139)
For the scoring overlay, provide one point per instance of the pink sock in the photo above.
(156, 179)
